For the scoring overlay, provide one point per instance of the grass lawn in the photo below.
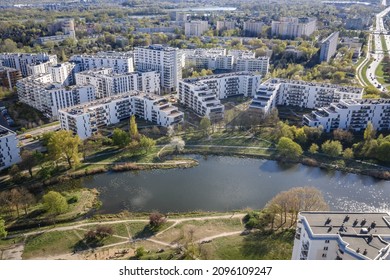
(379, 73)
(383, 41)
(364, 72)
(255, 246)
(200, 229)
(50, 243)
(4, 243)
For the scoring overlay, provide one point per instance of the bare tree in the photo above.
(288, 204)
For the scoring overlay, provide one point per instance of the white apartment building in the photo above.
(67, 27)
(195, 28)
(85, 120)
(64, 73)
(252, 28)
(202, 94)
(260, 65)
(225, 25)
(22, 61)
(289, 27)
(108, 83)
(241, 54)
(342, 236)
(351, 114)
(165, 60)
(120, 62)
(329, 46)
(40, 93)
(9, 149)
(213, 59)
(301, 94)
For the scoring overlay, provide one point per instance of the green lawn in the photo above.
(255, 246)
(364, 72)
(379, 73)
(50, 243)
(383, 42)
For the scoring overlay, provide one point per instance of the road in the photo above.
(36, 132)
(378, 54)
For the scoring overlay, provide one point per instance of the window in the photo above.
(325, 248)
(327, 241)
(324, 255)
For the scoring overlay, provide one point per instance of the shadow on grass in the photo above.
(146, 232)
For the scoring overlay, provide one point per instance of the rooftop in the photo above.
(219, 76)
(363, 234)
(5, 131)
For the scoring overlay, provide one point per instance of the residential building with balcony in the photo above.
(195, 28)
(9, 148)
(351, 114)
(85, 120)
(28, 63)
(290, 27)
(281, 92)
(342, 236)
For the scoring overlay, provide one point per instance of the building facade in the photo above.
(213, 59)
(301, 94)
(165, 60)
(252, 28)
(120, 62)
(195, 28)
(9, 77)
(342, 236)
(351, 114)
(64, 73)
(108, 83)
(203, 94)
(28, 63)
(329, 47)
(288, 27)
(85, 120)
(42, 94)
(225, 25)
(9, 149)
(259, 65)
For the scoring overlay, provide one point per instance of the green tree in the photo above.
(29, 160)
(3, 232)
(15, 173)
(120, 138)
(134, 134)
(64, 144)
(313, 148)
(287, 148)
(348, 153)
(369, 132)
(383, 152)
(55, 203)
(332, 148)
(146, 143)
(205, 125)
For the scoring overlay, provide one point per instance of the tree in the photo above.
(15, 173)
(26, 199)
(205, 125)
(146, 143)
(383, 152)
(287, 148)
(295, 200)
(369, 132)
(133, 129)
(348, 153)
(313, 148)
(64, 144)
(55, 203)
(29, 160)
(332, 148)
(3, 232)
(342, 135)
(120, 138)
(156, 219)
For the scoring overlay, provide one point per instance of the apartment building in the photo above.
(259, 65)
(241, 54)
(85, 120)
(203, 94)
(68, 30)
(9, 149)
(64, 73)
(108, 83)
(342, 236)
(120, 62)
(40, 93)
(195, 28)
(28, 63)
(252, 28)
(225, 25)
(213, 59)
(9, 77)
(165, 60)
(351, 114)
(301, 94)
(289, 27)
(329, 47)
